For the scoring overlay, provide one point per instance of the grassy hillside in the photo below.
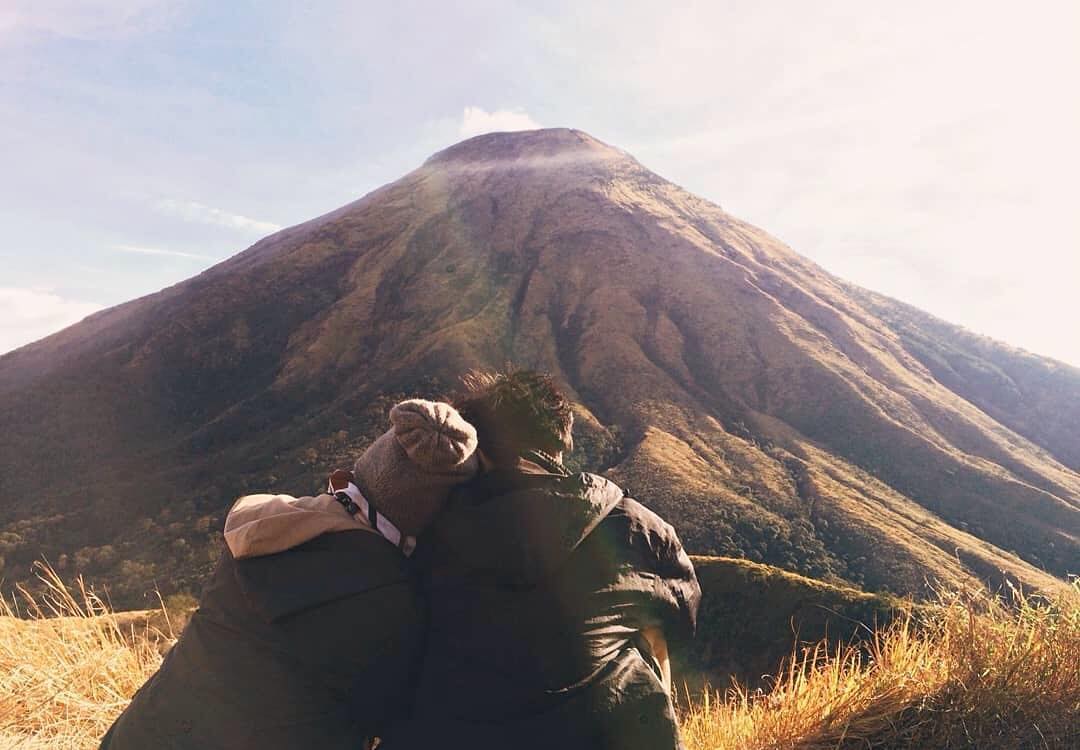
(965, 672)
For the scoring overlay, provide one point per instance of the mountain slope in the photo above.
(1031, 395)
(767, 408)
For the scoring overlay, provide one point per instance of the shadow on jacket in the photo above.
(539, 587)
(312, 647)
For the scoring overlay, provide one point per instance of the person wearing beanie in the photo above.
(409, 471)
(310, 630)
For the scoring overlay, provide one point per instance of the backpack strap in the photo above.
(345, 491)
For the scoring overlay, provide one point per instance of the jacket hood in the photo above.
(519, 527)
(261, 525)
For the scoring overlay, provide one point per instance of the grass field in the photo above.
(969, 672)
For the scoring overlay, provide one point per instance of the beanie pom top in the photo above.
(433, 434)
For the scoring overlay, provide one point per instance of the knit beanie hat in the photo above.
(408, 472)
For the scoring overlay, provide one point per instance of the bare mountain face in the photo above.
(767, 408)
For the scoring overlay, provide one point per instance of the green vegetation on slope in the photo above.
(753, 616)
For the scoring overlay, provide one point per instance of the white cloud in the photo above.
(140, 250)
(30, 314)
(202, 214)
(8, 19)
(89, 19)
(476, 121)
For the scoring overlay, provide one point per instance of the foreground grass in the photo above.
(68, 665)
(970, 673)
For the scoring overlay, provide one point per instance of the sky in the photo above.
(926, 150)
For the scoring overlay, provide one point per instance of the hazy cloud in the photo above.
(476, 121)
(30, 314)
(140, 250)
(8, 19)
(202, 214)
(88, 19)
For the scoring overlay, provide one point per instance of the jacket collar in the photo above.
(518, 524)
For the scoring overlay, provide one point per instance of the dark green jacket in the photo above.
(314, 647)
(539, 586)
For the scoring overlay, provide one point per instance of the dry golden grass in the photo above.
(68, 665)
(971, 673)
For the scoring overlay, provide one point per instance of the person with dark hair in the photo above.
(552, 595)
(516, 413)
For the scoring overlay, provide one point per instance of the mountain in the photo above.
(767, 408)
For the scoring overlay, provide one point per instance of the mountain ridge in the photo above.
(766, 407)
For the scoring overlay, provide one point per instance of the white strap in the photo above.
(407, 544)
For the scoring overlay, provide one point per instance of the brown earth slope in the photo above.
(767, 408)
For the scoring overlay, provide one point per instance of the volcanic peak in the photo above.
(527, 148)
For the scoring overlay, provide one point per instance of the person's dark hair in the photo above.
(514, 412)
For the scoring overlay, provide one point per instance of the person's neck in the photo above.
(534, 461)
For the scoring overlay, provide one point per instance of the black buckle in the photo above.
(348, 503)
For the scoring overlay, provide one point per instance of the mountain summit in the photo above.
(536, 147)
(764, 406)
